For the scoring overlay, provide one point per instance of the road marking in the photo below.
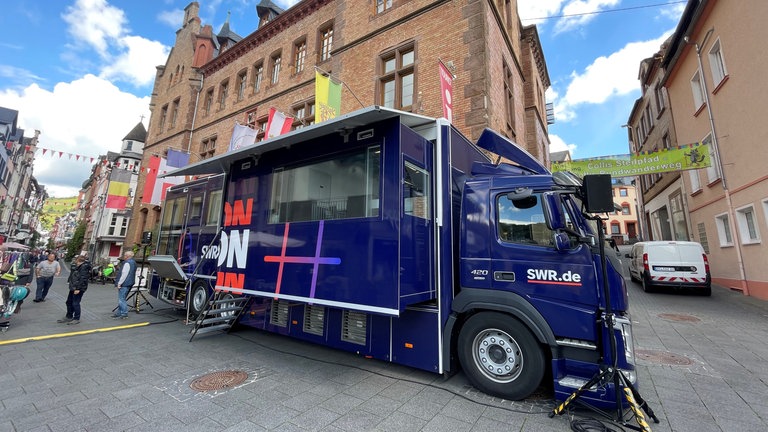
(77, 333)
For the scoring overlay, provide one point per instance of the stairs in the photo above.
(220, 314)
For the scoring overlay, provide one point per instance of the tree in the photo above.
(75, 245)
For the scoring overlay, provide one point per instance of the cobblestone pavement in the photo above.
(701, 368)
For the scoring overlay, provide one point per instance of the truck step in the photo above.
(237, 300)
(213, 328)
(218, 311)
(227, 319)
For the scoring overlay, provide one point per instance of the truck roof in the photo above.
(341, 124)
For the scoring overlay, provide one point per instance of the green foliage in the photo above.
(54, 208)
(75, 245)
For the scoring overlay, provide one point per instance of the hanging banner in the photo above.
(446, 90)
(687, 157)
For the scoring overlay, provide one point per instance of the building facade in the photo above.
(662, 198)
(385, 53)
(107, 226)
(715, 84)
(621, 225)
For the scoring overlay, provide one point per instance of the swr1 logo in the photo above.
(553, 277)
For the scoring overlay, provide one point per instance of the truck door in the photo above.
(188, 247)
(559, 284)
(417, 227)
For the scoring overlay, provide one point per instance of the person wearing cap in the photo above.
(79, 274)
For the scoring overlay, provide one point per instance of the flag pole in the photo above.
(330, 75)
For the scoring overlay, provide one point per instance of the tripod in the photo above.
(611, 373)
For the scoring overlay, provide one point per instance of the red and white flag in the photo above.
(277, 124)
(154, 187)
(446, 89)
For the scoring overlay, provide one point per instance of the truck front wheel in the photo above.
(500, 356)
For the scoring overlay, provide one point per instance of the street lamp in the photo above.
(718, 162)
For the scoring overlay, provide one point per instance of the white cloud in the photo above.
(86, 117)
(557, 144)
(607, 76)
(95, 23)
(532, 11)
(137, 64)
(172, 18)
(582, 12)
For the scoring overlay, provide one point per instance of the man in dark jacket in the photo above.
(126, 277)
(79, 274)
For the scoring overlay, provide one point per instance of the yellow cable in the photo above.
(78, 333)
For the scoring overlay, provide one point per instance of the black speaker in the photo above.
(598, 196)
(146, 237)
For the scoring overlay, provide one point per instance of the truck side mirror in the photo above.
(597, 193)
(554, 216)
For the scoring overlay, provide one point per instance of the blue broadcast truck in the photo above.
(391, 235)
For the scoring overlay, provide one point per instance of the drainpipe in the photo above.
(720, 169)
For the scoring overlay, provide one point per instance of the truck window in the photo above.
(195, 209)
(214, 209)
(346, 186)
(522, 221)
(416, 194)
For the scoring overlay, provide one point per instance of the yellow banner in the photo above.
(687, 157)
(327, 98)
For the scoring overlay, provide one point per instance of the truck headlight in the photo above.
(624, 325)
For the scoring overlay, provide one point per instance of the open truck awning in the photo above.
(342, 124)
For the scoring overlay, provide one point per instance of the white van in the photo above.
(674, 264)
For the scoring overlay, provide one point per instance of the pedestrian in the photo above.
(45, 271)
(126, 276)
(79, 274)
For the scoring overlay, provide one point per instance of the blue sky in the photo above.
(81, 71)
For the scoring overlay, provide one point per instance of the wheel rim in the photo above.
(497, 355)
(199, 299)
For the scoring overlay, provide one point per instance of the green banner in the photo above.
(687, 157)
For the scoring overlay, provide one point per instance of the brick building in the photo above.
(385, 52)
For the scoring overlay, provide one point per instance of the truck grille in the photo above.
(354, 328)
(314, 319)
(279, 313)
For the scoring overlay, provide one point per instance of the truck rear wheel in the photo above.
(198, 298)
(500, 356)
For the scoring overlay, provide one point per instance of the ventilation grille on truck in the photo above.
(279, 314)
(314, 319)
(354, 328)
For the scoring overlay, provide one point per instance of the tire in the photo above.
(500, 356)
(632, 276)
(646, 284)
(198, 299)
(706, 291)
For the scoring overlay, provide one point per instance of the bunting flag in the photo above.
(154, 187)
(119, 186)
(242, 136)
(277, 124)
(327, 98)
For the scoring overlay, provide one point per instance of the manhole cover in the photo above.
(679, 317)
(218, 380)
(663, 357)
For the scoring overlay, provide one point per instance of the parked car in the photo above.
(670, 264)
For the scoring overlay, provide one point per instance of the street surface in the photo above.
(702, 367)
